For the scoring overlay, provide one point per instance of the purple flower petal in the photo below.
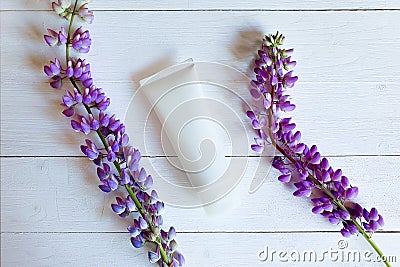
(267, 101)
(302, 193)
(173, 245)
(367, 227)
(352, 192)
(333, 220)
(290, 65)
(180, 259)
(112, 183)
(105, 188)
(171, 233)
(111, 157)
(380, 221)
(91, 154)
(327, 206)
(366, 214)
(56, 84)
(130, 205)
(148, 182)
(337, 175)
(76, 125)
(251, 114)
(125, 177)
(317, 209)
(137, 242)
(325, 177)
(103, 105)
(256, 124)
(257, 148)
(316, 158)
(288, 52)
(50, 40)
(134, 231)
(345, 182)
(255, 94)
(142, 223)
(345, 233)
(273, 80)
(374, 226)
(85, 128)
(153, 257)
(299, 148)
(68, 101)
(296, 136)
(89, 82)
(373, 214)
(118, 209)
(284, 178)
(287, 106)
(344, 215)
(48, 71)
(101, 173)
(69, 112)
(124, 140)
(352, 228)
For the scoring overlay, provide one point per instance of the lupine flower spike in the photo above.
(118, 163)
(311, 174)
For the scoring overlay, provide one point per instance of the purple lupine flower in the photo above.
(53, 69)
(90, 150)
(124, 207)
(304, 166)
(79, 69)
(113, 148)
(62, 8)
(54, 38)
(81, 40)
(85, 13)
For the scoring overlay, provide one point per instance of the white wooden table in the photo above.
(348, 96)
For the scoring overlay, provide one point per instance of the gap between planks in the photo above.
(223, 10)
(194, 232)
(173, 156)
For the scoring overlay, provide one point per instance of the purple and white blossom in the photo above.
(118, 162)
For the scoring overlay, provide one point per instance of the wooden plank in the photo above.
(202, 249)
(147, 42)
(349, 84)
(358, 115)
(61, 194)
(210, 5)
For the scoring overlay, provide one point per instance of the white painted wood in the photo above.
(222, 249)
(53, 214)
(328, 51)
(57, 194)
(344, 73)
(359, 115)
(212, 5)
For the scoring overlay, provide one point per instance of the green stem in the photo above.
(116, 163)
(336, 201)
(70, 30)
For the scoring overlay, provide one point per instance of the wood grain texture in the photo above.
(210, 5)
(62, 195)
(53, 214)
(341, 74)
(341, 43)
(203, 249)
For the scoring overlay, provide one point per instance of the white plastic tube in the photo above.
(197, 139)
